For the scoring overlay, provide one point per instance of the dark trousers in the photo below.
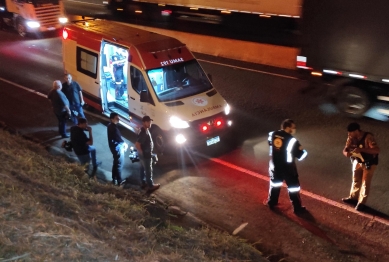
(80, 113)
(118, 162)
(61, 122)
(293, 184)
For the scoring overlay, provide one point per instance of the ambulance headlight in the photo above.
(2, 8)
(227, 109)
(63, 20)
(180, 139)
(178, 123)
(33, 24)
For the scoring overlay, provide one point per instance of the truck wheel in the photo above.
(353, 102)
(158, 139)
(21, 28)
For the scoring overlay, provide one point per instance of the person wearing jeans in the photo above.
(73, 92)
(82, 144)
(145, 145)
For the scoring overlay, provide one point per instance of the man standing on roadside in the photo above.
(145, 145)
(60, 105)
(82, 144)
(73, 92)
(284, 148)
(363, 151)
(117, 147)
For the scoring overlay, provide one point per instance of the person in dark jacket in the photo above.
(60, 105)
(82, 144)
(117, 147)
(144, 144)
(73, 92)
(284, 148)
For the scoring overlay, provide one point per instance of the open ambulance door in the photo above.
(114, 78)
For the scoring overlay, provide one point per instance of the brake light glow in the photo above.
(219, 123)
(204, 128)
(65, 34)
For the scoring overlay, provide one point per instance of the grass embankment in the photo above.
(51, 211)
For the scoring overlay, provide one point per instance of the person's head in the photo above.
(146, 120)
(288, 126)
(68, 78)
(57, 85)
(353, 130)
(82, 122)
(114, 117)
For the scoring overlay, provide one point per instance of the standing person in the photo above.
(117, 147)
(82, 144)
(284, 148)
(144, 145)
(60, 105)
(363, 151)
(73, 93)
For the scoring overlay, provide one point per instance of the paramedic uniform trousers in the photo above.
(362, 177)
(293, 184)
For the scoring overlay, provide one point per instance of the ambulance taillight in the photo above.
(65, 34)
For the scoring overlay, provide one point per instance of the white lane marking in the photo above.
(303, 192)
(249, 69)
(24, 88)
(85, 3)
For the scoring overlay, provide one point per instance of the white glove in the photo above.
(125, 147)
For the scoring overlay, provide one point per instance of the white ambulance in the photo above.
(135, 73)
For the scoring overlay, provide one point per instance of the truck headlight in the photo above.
(178, 123)
(227, 109)
(33, 24)
(63, 20)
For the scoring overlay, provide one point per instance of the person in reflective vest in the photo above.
(363, 151)
(284, 148)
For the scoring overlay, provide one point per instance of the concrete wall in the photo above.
(278, 56)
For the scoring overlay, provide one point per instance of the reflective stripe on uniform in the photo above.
(289, 157)
(304, 155)
(275, 184)
(269, 139)
(294, 189)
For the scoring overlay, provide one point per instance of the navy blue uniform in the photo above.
(284, 148)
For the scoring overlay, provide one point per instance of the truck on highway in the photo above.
(289, 8)
(31, 16)
(345, 46)
(135, 73)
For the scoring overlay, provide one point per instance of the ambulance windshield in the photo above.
(179, 81)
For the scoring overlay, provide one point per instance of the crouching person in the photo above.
(82, 144)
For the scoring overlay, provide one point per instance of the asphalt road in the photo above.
(261, 98)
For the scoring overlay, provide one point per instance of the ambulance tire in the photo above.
(158, 139)
(21, 28)
(353, 101)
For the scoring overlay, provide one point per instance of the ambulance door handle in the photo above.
(132, 98)
(97, 82)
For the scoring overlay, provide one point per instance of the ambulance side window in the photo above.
(138, 82)
(87, 62)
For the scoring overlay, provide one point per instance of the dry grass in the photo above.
(51, 211)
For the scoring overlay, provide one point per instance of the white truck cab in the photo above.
(135, 73)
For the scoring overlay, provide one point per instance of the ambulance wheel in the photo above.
(21, 28)
(353, 101)
(158, 139)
